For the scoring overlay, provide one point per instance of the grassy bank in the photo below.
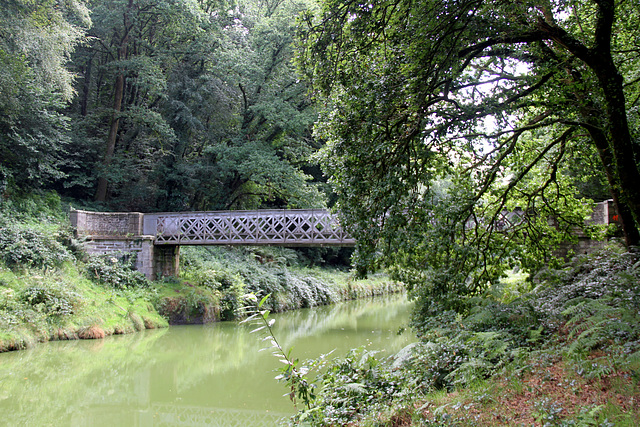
(50, 289)
(559, 349)
(58, 304)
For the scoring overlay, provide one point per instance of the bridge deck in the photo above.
(296, 227)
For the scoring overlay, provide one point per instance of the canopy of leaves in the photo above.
(36, 40)
(455, 129)
(211, 115)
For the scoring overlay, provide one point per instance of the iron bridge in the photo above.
(275, 227)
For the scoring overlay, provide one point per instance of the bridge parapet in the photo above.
(155, 239)
(107, 223)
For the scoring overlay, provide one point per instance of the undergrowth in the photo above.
(560, 349)
(214, 280)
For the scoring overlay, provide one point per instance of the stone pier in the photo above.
(121, 234)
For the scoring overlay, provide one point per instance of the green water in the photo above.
(211, 375)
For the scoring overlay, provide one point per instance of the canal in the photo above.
(200, 375)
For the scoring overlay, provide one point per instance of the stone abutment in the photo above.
(122, 234)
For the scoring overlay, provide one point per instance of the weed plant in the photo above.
(28, 245)
(117, 272)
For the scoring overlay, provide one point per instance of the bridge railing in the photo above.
(291, 227)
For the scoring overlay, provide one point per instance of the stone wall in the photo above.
(139, 246)
(603, 213)
(107, 223)
(118, 233)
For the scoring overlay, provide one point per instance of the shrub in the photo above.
(52, 299)
(351, 387)
(115, 273)
(39, 206)
(23, 246)
(261, 271)
(194, 306)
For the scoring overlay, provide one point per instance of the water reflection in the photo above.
(186, 375)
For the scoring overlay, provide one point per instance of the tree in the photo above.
(191, 105)
(442, 116)
(36, 40)
(134, 46)
(259, 161)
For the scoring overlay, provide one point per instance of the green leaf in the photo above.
(263, 300)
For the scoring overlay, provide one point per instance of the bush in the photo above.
(35, 206)
(115, 273)
(260, 271)
(193, 306)
(52, 299)
(26, 246)
(352, 386)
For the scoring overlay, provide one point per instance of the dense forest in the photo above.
(157, 105)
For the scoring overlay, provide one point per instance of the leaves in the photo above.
(212, 116)
(442, 119)
(35, 85)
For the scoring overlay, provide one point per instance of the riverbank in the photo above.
(559, 349)
(100, 297)
(50, 289)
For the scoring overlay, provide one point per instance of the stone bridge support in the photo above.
(603, 213)
(121, 235)
(166, 262)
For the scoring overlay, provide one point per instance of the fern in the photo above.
(597, 324)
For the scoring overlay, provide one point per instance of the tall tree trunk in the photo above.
(101, 191)
(613, 142)
(617, 132)
(86, 86)
(591, 117)
(629, 228)
(627, 182)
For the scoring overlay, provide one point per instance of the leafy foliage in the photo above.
(52, 299)
(570, 313)
(24, 245)
(209, 112)
(453, 130)
(262, 272)
(115, 273)
(36, 41)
